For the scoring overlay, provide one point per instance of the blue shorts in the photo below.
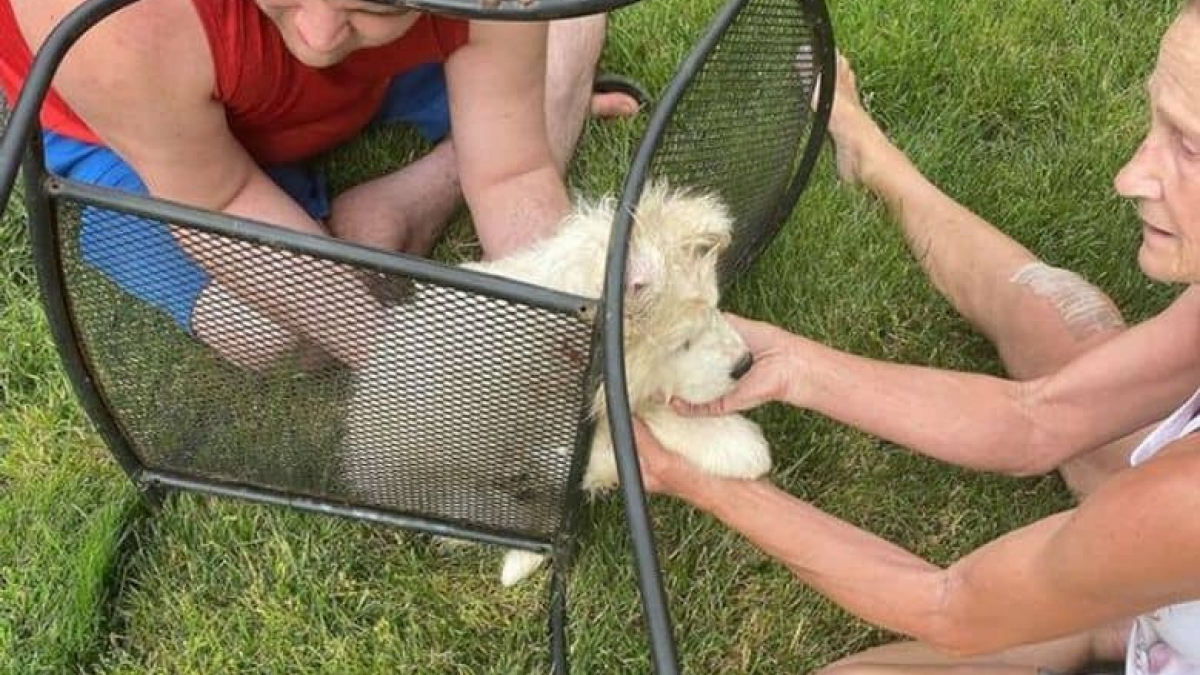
(143, 258)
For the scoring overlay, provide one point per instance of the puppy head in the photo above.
(678, 238)
(677, 341)
(683, 226)
(695, 355)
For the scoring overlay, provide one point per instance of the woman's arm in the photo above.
(1131, 547)
(979, 421)
(1021, 428)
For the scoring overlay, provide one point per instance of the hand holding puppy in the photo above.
(773, 377)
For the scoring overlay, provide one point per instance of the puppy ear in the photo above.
(706, 245)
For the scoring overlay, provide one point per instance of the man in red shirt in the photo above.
(218, 103)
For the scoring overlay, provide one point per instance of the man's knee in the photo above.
(1085, 309)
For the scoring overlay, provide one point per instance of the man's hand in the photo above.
(772, 377)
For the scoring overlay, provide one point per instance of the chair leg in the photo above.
(558, 622)
(154, 496)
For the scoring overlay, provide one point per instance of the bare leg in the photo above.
(1038, 317)
(574, 47)
(402, 211)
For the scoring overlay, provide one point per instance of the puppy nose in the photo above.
(742, 366)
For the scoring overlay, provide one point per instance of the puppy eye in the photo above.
(687, 344)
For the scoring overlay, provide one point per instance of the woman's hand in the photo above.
(663, 472)
(773, 376)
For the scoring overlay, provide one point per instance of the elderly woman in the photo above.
(1113, 408)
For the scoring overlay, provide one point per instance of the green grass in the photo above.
(1021, 110)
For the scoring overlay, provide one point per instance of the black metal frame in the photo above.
(21, 146)
(40, 191)
(512, 10)
(654, 604)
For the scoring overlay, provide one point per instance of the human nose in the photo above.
(319, 25)
(1140, 177)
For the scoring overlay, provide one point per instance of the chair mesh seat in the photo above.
(460, 416)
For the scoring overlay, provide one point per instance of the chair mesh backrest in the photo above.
(439, 423)
(742, 127)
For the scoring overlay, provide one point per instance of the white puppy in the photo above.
(677, 344)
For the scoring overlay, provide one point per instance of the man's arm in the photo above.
(1133, 546)
(497, 103)
(143, 81)
(994, 424)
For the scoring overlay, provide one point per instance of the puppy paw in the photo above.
(739, 451)
(518, 565)
(450, 545)
(601, 474)
(730, 445)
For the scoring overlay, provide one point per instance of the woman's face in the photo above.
(320, 33)
(1164, 174)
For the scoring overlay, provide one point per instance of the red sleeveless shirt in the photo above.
(280, 109)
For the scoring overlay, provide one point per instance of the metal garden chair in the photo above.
(735, 119)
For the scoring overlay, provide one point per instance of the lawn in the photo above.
(1021, 110)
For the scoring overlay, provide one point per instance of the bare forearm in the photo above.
(497, 103)
(275, 281)
(868, 576)
(512, 214)
(1073, 571)
(967, 419)
(994, 424)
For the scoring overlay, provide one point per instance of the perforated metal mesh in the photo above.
(317, 378)
(743, 125)
(406, 396)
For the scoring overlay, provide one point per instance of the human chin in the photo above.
(1161, 260)
(315, 58)
(1148, 262)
